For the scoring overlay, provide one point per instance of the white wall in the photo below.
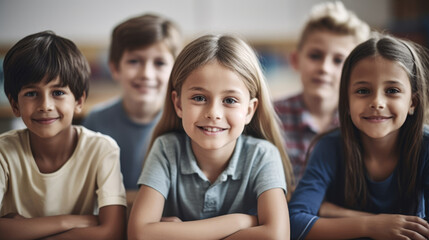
(90, 21)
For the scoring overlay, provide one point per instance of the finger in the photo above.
(417, 220)
(410, 234)
(419, 225)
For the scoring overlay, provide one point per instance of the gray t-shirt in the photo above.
(172, 170)
(132, 138)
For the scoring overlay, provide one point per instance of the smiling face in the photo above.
(380, 97)
(47, 109)
(144, 73)
(320, 61)
(214, 106)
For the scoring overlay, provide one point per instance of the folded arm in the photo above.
(273, 218)
(145, 221)
(14, 226)
(111, 226)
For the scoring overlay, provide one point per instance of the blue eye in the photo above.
(315, 56)
(338, 61)
(160, 63)
(230, 100)
(57, 93)
(392, 90)
(132, 61)
(30, 94)
(362, 91)
(199, 98)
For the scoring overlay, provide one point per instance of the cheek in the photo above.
(237, 116)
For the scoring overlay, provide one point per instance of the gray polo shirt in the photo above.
(172, 170)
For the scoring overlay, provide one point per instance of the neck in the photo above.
(51, 153)
(141, 112)
(322, 110)
(212, 162)
(380, 156)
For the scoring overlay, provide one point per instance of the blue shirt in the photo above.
(321, 180)
(172, 169)
(132, 138)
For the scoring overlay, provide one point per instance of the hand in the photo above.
(395, 226)
(170, 219)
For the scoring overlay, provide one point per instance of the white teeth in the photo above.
(212, 129)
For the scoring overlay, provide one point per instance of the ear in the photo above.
(294, 60)
(79, 103)
(414, 103)
(253, 105)
(177, 104)
(15, 106)
(114, 71)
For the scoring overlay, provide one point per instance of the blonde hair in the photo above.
(238, 56)
(335, 18)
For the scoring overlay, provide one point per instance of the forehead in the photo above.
(329, 42)
(157, 48)
(56, 82)
(214, 77)
(378, 69)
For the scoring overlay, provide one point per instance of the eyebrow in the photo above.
(32, 85)
(229, 91)
(390, 82)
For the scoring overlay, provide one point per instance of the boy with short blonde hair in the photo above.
(329, 35)
(54, 176)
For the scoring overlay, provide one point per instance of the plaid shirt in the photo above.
(299, 130)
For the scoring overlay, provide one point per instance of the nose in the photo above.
(214, 112)
(378, 102)
(326, 65)
(147, 70)
(46, 103)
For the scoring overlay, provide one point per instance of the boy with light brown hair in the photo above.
(141, 56)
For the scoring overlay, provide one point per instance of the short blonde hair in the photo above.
(239, 57)
(335, 18)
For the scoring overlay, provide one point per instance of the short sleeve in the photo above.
(111, 190)
(270, 173)
(3, 180)
(156, 169)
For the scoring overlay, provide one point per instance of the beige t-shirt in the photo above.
(89, 180)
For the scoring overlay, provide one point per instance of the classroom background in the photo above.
(270, 26)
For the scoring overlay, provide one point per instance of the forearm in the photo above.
(110, 225)
(212, 228)
(33, 228)
(90, 233)
(331, 210)
(338, 228)
(262, 232)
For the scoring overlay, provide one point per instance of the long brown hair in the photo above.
(413, 58)
(235, 54)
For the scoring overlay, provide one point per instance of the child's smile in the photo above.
(379, 96)
(47, 108)
(215, 106)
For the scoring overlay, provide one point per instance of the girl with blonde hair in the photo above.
(217, 166)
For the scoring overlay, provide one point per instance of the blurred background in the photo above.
(270, 26)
